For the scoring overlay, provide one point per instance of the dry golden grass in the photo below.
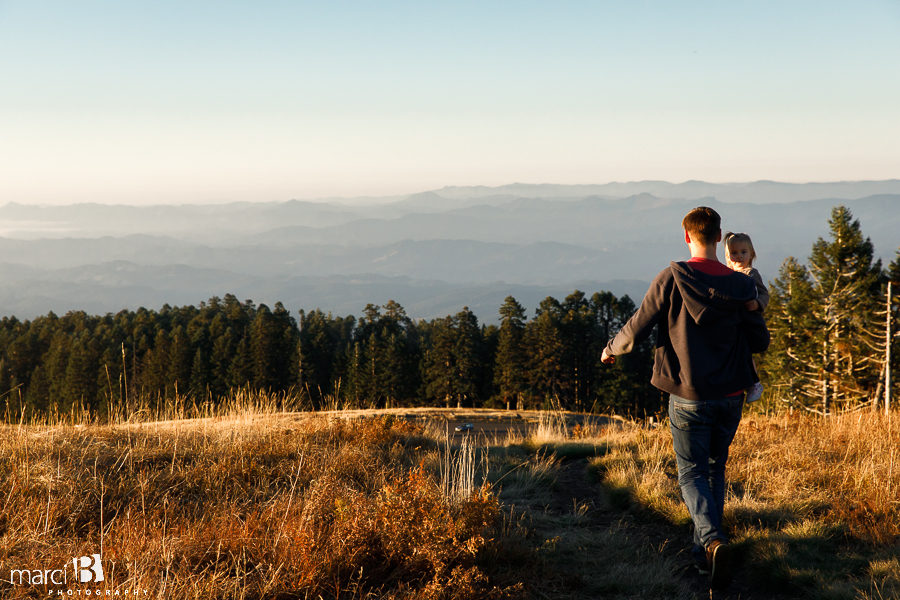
(841, 467)
(254, 501)
(245, 507)
(813, 503)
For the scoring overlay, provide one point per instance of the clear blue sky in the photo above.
(196, 101)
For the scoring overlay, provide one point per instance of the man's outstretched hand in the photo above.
(607, 359)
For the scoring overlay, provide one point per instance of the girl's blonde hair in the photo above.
(737, 238)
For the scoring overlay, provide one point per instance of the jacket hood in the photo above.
(706, 303)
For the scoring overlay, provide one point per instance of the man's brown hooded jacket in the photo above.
(705, 335)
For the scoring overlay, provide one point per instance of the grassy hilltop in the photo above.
(257, 503)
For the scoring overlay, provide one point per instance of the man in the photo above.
(702, 359)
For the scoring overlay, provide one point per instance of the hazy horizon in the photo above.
(370, 199)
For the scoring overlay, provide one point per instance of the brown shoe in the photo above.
(718, 557)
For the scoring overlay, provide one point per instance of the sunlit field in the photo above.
(254, 500)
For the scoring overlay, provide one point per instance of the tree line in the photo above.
(827, 319)
(380, 359)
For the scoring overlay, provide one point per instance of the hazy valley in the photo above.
(433, 252)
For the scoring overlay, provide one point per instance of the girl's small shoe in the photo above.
(754, 392)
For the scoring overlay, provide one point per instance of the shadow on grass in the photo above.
(617, 540)
(561, 540)
(800, 551)
(559, 535)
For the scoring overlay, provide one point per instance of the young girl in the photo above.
(739, 255)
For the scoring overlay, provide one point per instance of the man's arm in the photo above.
(641, 323)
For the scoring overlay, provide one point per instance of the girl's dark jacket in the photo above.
(705, 335)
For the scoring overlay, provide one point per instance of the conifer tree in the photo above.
(240, 372)
(37, 391)
(545, 351)
(509, 373)
(200, 376)
(396, 370)
(365, 354)
(578, 326)
(286, 342)
(55, 362)
(384, 359)
(468, 353)
(264, 349)
(893, 271)
(847, 281)
(181, 357)
(156, 367)
(80, 387)
(490, 334)
(789, 367)
(223, 350)
(827, 345)
(440, 361)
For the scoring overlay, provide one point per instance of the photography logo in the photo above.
(85, 569)
(88, 569)
(78, 577)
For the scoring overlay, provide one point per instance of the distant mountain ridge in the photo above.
(766, 192)
(427, 250)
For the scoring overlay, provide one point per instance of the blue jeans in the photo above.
(702, 431)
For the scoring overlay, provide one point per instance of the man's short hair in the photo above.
(703, 224)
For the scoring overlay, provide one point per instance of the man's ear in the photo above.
(719, 236)
(687, 237)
